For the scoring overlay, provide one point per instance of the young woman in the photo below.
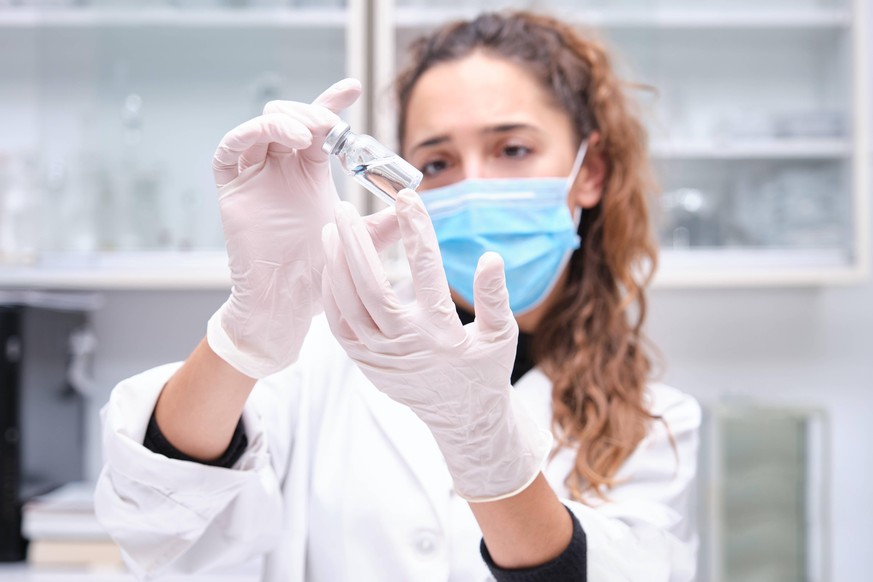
(495, 420)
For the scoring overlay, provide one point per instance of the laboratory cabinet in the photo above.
(757, 113)
(758, 122)
(111, 112)
(764, 509)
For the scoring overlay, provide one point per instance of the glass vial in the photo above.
(374, 166)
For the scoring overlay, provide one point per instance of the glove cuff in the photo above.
(502, 463)
(222, 344)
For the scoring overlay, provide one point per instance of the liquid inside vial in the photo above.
(374, 166)
(382, 178)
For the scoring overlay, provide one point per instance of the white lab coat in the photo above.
(340, 483)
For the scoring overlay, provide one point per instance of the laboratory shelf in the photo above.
(754, 267)
(420, 17)
(279, 17)
(715, 65)
(730, 149)
(121, 270)
(188, 270)
(207, 270)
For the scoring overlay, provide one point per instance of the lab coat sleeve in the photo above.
(645, 532)
(174, 516)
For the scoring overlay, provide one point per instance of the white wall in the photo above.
(806, 347)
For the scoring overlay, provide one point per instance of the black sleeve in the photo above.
(570, 566)
(156, 442)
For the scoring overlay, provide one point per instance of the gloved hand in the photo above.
(275, 195)
(456, 378)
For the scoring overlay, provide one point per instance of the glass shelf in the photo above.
(122, 270)
(207, 270)
(420, 17)
(752, 149)
(204, 270)
(718, 267)
(278, 17)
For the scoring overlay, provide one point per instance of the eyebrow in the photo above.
(502, 128)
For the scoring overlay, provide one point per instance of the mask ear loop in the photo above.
(574, 173)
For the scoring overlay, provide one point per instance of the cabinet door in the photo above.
(755, 144)
(754, 110)
(767, 491)
(111, 111)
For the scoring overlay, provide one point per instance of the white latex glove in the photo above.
(275, 195)
(456, 378)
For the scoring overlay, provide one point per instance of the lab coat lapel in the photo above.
(534, 389)
(414, 442)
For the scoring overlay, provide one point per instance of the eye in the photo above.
(516, 151)
(433, 167)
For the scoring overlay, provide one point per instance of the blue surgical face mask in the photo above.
(525, 220)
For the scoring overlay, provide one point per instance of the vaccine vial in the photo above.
(374, 166)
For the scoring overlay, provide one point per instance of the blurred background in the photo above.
(111, 252)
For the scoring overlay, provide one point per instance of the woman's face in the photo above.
(487, 117)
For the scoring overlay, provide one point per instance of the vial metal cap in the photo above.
(334, 137)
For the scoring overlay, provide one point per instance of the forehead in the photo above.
(474, 92)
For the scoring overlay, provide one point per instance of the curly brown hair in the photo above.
(590, 342)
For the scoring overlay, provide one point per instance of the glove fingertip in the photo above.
(340, 95)
(489, 272)
(490, 295)
(347, 84)
(411, 210)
